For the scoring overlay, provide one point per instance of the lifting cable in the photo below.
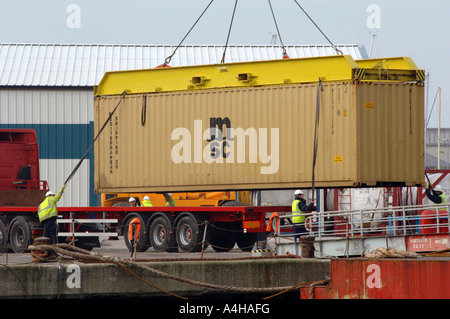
(278, 31)
(92, 144)
(334, 47)
(169, 58)
(316, 136)
(229, 31)
(144, 110)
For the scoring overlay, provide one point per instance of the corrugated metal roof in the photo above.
(84, 65)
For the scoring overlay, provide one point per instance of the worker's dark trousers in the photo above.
(299, 230)
(50, 230)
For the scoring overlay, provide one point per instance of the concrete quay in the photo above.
(72, 279)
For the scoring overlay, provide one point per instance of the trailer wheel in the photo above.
(221, 237)
(245, 241)
(161, 235)
(188, 234)
(143, 242)
(3, 237)
(19, 234)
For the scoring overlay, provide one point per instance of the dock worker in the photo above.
(132, 202)
(429, 221)
(299, 210)
(48, 214)
(146, 202)
(169, 199)
(436, 194)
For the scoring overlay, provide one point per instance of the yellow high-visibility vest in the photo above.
(297, 214)
(442, 196)
(147, 203)
(47, 208)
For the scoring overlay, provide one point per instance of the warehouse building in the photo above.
(49, 88)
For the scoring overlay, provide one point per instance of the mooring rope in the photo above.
(84, 255)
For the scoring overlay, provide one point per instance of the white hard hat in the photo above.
(298, 192)
(49, 193)
(146, 197)
(439, 188)
(132, 199)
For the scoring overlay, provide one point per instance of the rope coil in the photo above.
(390, 252)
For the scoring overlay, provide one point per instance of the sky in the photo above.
(415, 28)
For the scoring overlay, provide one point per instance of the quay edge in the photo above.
(94, 280)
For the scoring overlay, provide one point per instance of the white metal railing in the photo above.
(389, 221)
(93, 232)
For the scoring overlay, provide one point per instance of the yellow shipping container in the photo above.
(261, 137)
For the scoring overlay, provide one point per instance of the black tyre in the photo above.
(244, 241)
(188, 235)
(3, 237)
(20, 234)
(143, 242)
(161, 235)
(221, 237)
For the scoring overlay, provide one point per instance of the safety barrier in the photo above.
(74, 223)
(104, 227)
(366, 228)
(403, 220)
(381, 222)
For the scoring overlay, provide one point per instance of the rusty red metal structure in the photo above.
(423, 278)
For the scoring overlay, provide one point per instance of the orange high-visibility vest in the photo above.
(136, 221)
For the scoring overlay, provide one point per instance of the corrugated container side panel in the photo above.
(324, 137)
(347, 123)
(226, 104)
(401, 132)
(390, 124)
(418, 131)
(177, 111)
(370, 152)
(173, 172)
(277, 113)
(301, 162)
(155, 133)
(142, 165)
(361, 140)
(132, 145)
(335, 140)
(257, 111)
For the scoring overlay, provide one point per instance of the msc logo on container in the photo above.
(226, 145)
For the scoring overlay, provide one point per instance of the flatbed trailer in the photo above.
(163, 228)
